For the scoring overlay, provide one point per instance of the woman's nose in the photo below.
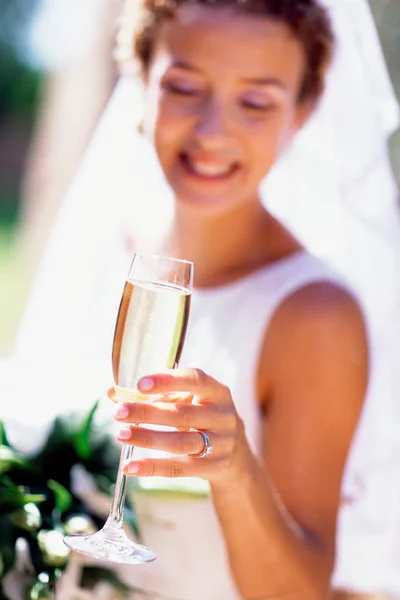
(212, 128)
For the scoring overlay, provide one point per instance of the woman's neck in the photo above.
(227, 247)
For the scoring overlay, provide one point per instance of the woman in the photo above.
(227, 86)
(226, 90)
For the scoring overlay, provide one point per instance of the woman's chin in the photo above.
(204, 204)
(205, 196)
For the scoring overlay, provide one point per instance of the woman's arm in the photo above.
(315, 362)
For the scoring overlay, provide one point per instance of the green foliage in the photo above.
(38, 505)
(82, 437)
(19, 86)
(62, 497)
(19, 82)
(10, 459)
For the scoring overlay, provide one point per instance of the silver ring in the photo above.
(208, 448)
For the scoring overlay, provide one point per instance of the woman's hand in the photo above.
(193, 402)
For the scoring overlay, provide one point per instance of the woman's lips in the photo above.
(208, 169)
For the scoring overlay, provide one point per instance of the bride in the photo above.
(322, 232)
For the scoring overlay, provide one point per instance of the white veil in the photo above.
(334, 188)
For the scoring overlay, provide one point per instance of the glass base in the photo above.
(112, 545)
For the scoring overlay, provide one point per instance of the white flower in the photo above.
(51, 543)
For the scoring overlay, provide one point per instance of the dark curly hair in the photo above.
(307, 19)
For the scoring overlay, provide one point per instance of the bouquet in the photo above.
(39, 505)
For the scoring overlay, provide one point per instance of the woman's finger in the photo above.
(124, 395)
(180, 466)
(183, 397)
(175, 442)
(181, 415)
(121, 394)
(195, 381)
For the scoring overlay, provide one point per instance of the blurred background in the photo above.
(53, 88)
(56, 75)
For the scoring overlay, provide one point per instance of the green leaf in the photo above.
(13, 499)
(7, 482)
(81, 439)
(35, 498)
(62, 497)
(3, 436)
(10, 459)
(58, 437)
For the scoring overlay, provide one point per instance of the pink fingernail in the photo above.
(133, 468)
(124, 433)
(146, 384)
(121, 411)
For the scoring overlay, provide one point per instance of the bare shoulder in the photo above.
(319, 302)
(323, 315)
(320, 328)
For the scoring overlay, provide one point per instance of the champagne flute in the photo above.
(149, 336)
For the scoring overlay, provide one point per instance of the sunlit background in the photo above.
(40, 60)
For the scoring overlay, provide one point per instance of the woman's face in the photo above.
(221, 103)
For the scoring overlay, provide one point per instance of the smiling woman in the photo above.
(226, 87)
(281, 353)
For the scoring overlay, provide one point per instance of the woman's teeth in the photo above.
(209, 169)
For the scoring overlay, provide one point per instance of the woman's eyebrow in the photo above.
(181, 64)
(259, 81)
(266, 81)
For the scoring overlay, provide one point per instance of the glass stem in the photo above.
(116, 516)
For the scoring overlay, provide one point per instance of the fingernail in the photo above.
(121, 411)
(124, 433)
(132, 468)
(146, 384)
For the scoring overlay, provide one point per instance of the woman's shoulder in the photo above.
(322, 314)
(323, 298)
(319, 328)
(320, 307)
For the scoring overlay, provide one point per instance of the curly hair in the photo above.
(307, 19)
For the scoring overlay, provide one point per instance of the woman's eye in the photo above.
(257, 106)
(180, 90)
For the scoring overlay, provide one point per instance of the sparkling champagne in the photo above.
(150, 331)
